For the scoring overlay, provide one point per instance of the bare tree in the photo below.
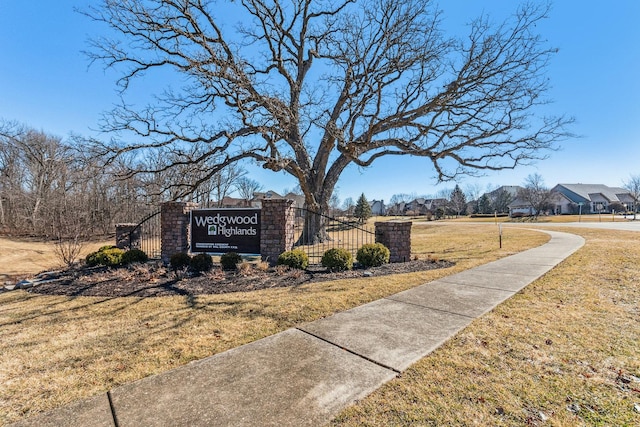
(402, 198)
(536, 194)
(11, 178)
(633, 185)
(501, 200)
(348, 206)
(473, 192)
(50, 187)
(334, 204)
(35, 168)
(247, 187)
(397, 202)
(312, 87)
(224, 180)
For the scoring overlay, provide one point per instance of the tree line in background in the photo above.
(455, 202)
(59, 189)
(496, 200)
(336, 84)
(56, 188)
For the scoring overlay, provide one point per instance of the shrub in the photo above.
(106, 255)
(92, 259)
(201, 262)
(262, 265)
(179, 261)
(373, 255)
(337, 259)
(112, 257)
(230, 260)
(296, 258)
(245, 268)
(134, 255)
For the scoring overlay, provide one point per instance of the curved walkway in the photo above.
(307, 375)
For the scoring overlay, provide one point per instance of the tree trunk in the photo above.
(315, 229)
(2, 220)
(315, 220)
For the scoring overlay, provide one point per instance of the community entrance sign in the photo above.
(225, 230)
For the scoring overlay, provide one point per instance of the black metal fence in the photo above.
(147, 235)
(347, 233)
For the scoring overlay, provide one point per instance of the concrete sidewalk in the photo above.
(305, 376)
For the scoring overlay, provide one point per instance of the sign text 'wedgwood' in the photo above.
(225, 230)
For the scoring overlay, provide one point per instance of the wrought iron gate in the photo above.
(347, 233)
(146, 235)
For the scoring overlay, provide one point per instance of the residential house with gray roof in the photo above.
(592, 198)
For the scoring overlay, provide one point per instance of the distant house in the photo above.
(511, 190)
(591, 198)
(297, 198)
(256, 202)
(520, 207)
(377, 207)
(396, 208)
(416, 207)
(419, 206)
(258, 197)
(503, 197)
(232, 202)
(434, 204)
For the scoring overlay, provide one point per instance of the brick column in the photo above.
(174, 225)
(128, 236)
(395, 235)
(277, 230)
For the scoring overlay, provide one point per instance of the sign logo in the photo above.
(225, 230)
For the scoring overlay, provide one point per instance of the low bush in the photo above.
(337, 259)
(373, 255)
(296, 258)
(230, 260)
(201, 262)
(244, 268)
(134, 255)
(92, 259)
(109, 256)
(179, 261)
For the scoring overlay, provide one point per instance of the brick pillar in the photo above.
(277, 230)
(395, 235)
(174, 226)
(128, 236)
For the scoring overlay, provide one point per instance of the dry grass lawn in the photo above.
(565, 351)
(23, 257)
(58, 349)
(562, 352)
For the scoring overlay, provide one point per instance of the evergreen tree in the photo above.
(458, 201)
(484, 205)
(363, 209)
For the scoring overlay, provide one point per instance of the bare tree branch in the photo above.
(312, 87)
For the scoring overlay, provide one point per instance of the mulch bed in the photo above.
(155, 280)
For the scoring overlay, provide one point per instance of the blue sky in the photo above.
(46, 83)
